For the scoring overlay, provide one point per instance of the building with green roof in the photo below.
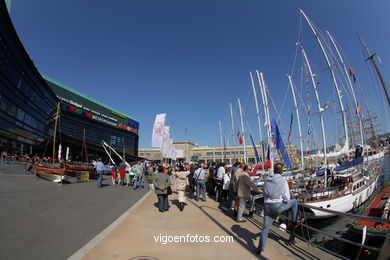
(81, 115)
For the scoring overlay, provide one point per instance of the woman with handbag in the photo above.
(181, 185)
(162, 186)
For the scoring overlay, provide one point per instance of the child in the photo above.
(113, 174)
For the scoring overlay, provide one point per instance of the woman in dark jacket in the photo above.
(161, 183)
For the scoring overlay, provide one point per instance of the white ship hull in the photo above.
(346, 202)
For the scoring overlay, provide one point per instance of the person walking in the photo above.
(138, 176)
(114, 170)
(181, 184)
(233, 186)
(161, 184)
(226, 184)
(191, 181)
(245, 186)
(122, 172)
(218, 180)
(150, 177)
(99, 172)
(210, 186)
(276, 200)
(200, 177)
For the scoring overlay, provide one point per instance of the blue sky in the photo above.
(189, 59)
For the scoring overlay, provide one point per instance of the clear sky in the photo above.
(189, 59)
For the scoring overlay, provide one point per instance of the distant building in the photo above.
(188, 151)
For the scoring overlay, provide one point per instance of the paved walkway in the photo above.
(136, 231)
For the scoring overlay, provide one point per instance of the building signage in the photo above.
(82, 110)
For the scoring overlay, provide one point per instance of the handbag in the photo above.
(169, 190)
(187, 189)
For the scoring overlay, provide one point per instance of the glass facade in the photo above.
(100, 122)
(26, 102)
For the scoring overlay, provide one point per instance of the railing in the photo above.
(337, 213)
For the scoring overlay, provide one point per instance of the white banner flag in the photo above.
(158, 130)
(170, 148)
(165, 142)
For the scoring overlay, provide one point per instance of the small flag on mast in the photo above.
(240, 140)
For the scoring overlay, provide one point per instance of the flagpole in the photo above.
(298, 118)
(242, 130)
(257, 110)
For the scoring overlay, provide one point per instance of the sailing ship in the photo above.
(350, 184)
(77, 168)
(54, 172)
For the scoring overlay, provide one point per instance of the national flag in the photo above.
(277, 138)
(290, 131)
(240, 139)
(359, 111)
(352, 74)
(158, 130)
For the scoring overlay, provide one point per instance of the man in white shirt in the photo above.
(221, 172)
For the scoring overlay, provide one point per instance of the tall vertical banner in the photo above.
(158, 130)
(165, 142)
(170, 148)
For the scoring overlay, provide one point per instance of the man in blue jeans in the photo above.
(200, 176)
(276, 200)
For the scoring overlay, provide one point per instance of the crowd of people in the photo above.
(231, 186)
(12, 158)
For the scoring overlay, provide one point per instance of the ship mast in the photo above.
(262, 86)
(320, 109)
(57, 115)
(242, 130)
(298, 118)
(350, 86)
(231, 117)
(371, 58)
(333, 80)
(257, 113)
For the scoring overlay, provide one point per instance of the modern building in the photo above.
(84, 118)
(188, 151)
(28, 104)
